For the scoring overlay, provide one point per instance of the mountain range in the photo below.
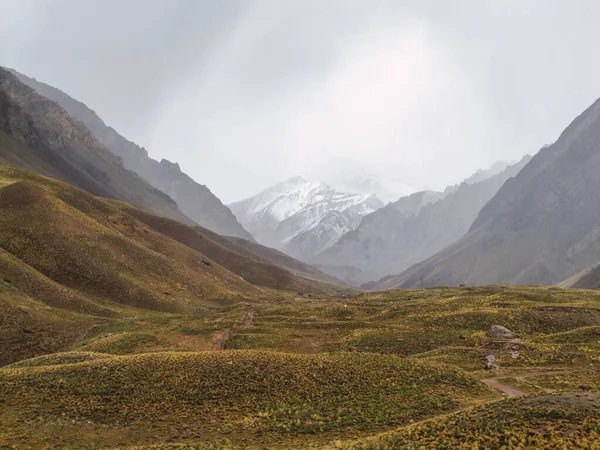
(301, 217)
(411, 229)
(195, 200)
(531, 222)
(541, 227)
(40, 137)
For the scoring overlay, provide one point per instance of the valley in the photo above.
(122, 329)
(369, 370)
(142, 309)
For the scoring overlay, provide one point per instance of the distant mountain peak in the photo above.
(293, 213)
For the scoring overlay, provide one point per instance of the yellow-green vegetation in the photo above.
(560, 421)
(238, 393)
(120, 329)
(319, 371)
(69, 259)
(78, 251)
(58, 359)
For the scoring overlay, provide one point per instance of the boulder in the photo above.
(500, 332)
(491, 363)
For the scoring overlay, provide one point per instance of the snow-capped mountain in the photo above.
(302, 218)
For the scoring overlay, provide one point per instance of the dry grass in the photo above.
(118, 310)
(243, 394)
(561, 421)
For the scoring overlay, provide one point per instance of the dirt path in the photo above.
(510, 391)
(220, 338)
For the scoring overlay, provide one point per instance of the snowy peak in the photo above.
(296, 206)
(295, 195)
(281, 200)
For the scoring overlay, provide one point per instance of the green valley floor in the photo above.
(395, 369)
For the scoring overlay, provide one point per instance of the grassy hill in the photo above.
(241, 394)
(85, 258)
(88, 244)
(550, 421)
(255, 263)
(375, 370)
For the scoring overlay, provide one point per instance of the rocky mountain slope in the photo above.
(542, 227)
(194, 200)
(589, 278)
(300, 217)
(36, 134)
(411, 229)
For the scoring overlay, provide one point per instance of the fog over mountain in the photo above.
(413, 228)
(246, 93)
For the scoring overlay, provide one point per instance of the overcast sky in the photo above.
(243, 94)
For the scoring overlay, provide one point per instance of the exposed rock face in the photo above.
(542, 227)
(300, 217)
(412, 229)
(195, 200)
(38, 135)
(500, 332)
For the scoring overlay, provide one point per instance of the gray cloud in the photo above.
(245, 93)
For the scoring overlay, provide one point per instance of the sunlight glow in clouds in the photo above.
(246, 93)
(389, 102)
(392, 104)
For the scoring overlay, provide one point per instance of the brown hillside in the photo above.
(88, 244)
(254, 271)
(111, 250)
(282, 260)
